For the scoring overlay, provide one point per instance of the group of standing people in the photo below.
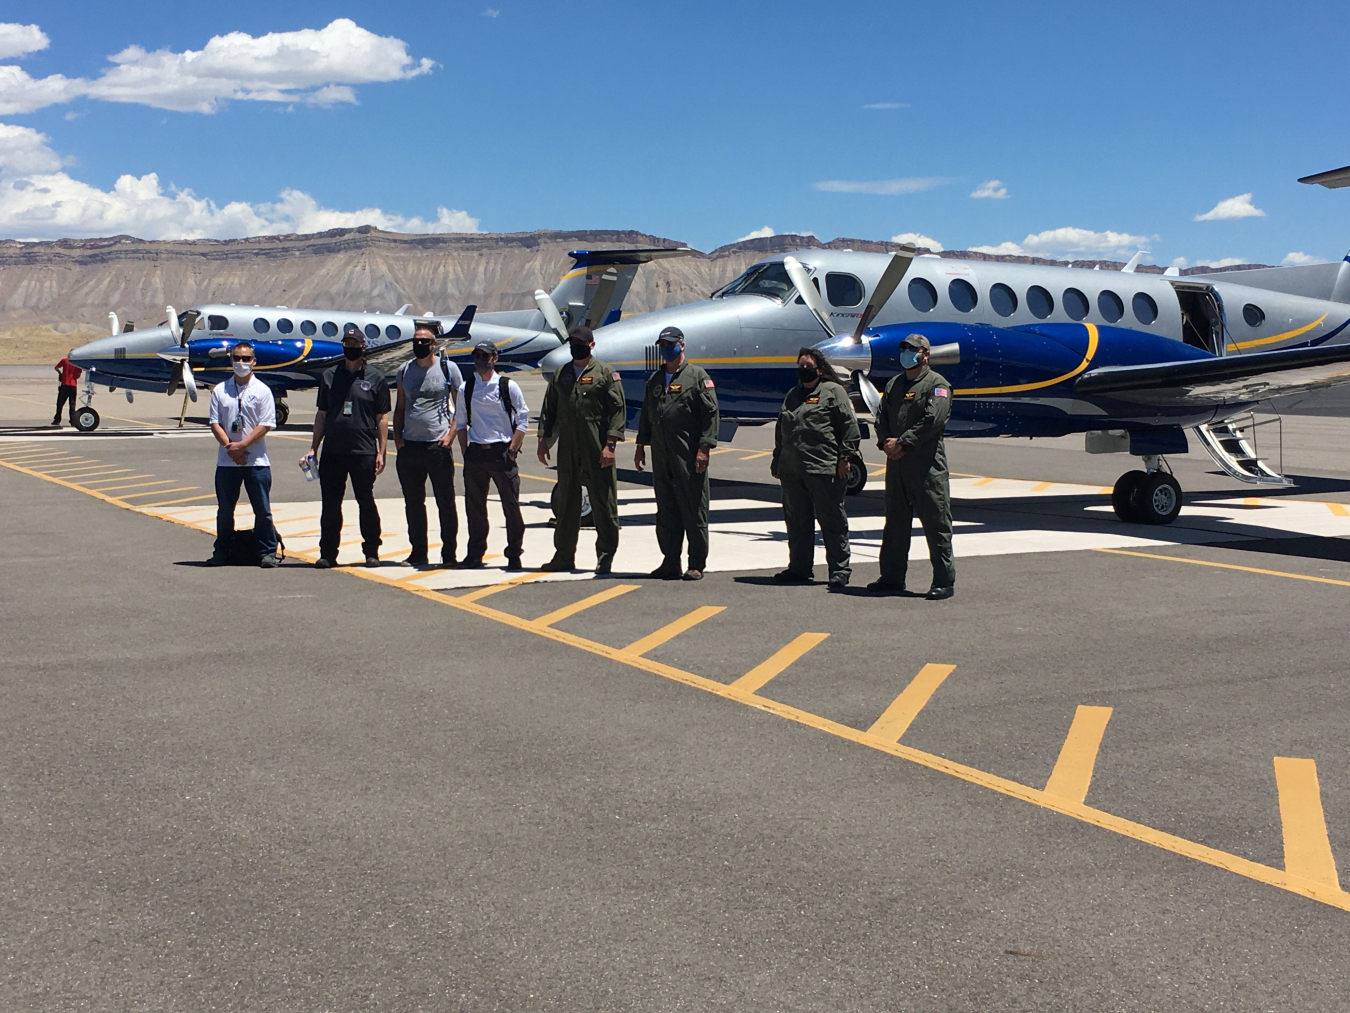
(582, 420)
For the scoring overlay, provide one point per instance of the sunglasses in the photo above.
(241, 358)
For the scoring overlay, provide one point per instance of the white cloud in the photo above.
(1300, 260)
(992, 188)
(886, 187)
(887, 105)
(1179, 262)
(1222, 262)
(16, 40)
(39, 201)
(1059, 243)
(317, 66)
(763, 233)
(491, 12)
(1234, 207)
(918, 239)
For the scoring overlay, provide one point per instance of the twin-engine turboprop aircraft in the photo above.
(294, 346)
(1131, 360)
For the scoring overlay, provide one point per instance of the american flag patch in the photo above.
(616, 374)
(708, 382)
(939, 392)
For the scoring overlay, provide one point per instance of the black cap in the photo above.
(352, 331)
(485, 346)
(581, 333)
(671, 334)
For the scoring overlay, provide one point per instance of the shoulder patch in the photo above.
(615, 374)
(939, 391)
(707, 382)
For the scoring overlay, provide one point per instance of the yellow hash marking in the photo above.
(754, 680)
(896, 719)
(1338, 509)
(505, 585)
(43, 455)
(1077, 757)
(85, 472)
(722, 450)
(1307, 849)
(539, 478)
(1041, 486)
(1227, 566)
(185, 499)
(877, 471)
(1251, 501)
(672, 630)
(983, 481)
(102, 484)
(757, 454)
(161, 492)
(558, 615)
(71, 464)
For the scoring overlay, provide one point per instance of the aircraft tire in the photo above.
(1157, 499)
(86, 419)
(1123, 496)
(283, 412)
(857, 476)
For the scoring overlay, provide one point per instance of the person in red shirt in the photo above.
(69, 374)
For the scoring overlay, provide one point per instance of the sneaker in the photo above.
(324, 563)
(513, 563)
(838, 582)
(603, 569)
(556, 565)
(414, 561)
(886, 585)
(790, 577)
(270, 561)
(472, 564)
(372, 561)
(939, 593)
(666, 571)
(692, 574)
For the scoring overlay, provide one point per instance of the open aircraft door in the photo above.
(1202, 321)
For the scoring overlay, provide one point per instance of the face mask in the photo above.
(242, 369)
(670, 352)
(807, 374)
(422, 349)
(353, 352)
(481, 362)
(580, 350)
(909, 358)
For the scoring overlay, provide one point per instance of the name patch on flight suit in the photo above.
(586, 380)
(910, 395)
(674, 388)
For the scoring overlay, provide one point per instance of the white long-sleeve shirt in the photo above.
(490, 422)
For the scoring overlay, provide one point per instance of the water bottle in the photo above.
(307, 468)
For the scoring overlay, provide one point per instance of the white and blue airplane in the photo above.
(1131, 360)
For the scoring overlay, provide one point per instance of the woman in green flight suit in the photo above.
(817, 433)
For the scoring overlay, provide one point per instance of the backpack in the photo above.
(243, 549)
(503, 391)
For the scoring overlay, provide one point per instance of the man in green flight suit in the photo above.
(910, 420)
(584, 414)
(679, 422)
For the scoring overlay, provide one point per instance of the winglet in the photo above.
(461, 329)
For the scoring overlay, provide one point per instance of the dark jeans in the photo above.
(483, 463)
(334, 469)
(415, 463)
(65, 392)
(257, 482)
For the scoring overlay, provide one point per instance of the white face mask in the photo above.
(242, 369)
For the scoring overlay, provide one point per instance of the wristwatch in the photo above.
(513, 454)
(610, 445)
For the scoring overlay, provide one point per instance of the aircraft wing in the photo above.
(1229, 379)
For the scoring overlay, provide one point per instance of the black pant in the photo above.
(65, 392)
(484, 462)
(415, 463)
(333, 472)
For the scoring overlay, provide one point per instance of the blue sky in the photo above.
(1098, 130)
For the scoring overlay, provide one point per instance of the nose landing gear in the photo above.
(1147, 497)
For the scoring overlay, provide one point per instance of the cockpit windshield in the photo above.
(763, 279)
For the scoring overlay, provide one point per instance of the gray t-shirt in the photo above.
(427, 409)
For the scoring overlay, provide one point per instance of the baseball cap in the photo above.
(352, 331)
(671, 334)
(486, 347)
(916, 341)
(581, 333)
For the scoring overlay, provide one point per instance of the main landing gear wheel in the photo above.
(1157, 499)
(857, 476)
(86, 419)
(1122, 496)
(283, 413)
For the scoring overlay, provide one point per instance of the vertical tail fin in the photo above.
(593, 291)
(1340, 292)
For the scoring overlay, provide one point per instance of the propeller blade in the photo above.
(870, 395)
(802, 282)
(551, 315)
(114, 325)
(175, 328)
(890, 281)
(189, 325)
(189, 381)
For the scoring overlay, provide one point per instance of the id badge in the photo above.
(346, 408)
(236, 426)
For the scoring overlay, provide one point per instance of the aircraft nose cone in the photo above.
(555, 360)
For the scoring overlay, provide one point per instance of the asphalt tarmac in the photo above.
(229, 789)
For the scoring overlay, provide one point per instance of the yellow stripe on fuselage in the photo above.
(1039, 384)
(1238, 346)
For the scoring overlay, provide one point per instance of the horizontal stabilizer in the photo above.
(1222, 380)
(616, 258)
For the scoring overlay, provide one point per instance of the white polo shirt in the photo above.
(249, 406)
(490, 423)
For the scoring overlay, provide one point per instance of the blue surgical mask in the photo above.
(909, 357)
(670, 352)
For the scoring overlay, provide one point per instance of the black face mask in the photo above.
(482, 362)
(807, 374)
(422, 349)
(353, 352)
(580, 350)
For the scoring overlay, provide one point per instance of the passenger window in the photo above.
(216, 323)
(392, 332)
(372, 331)
(329, 329)
(285, 326)
(843, 289)
(962, 294)
(1075, 304)
(261, 325)
(1111, 307)
(1040, 302)
(922, 295)
(307, 328)
(1145, 309)
(1254, 315)
(1003, 299)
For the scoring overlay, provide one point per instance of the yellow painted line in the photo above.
(173, 502)
(558, 615)
(1039, 384)
(299, 534)
(1041, 486)
(104, 487)
(877, 471)
(1105, 490)
(84, 471)
(1240, 345)
(1077, 757)
(161, 492)
(539, 478)
(1307, 849)
(45, 455)
(753, 680)
(1339, 509)
(70, 464)
(1252, 501)
(722, 450)
(757, 454)
(1228, 566)
(983, 481)
(505, 585)
(672, 630)
(896, 718)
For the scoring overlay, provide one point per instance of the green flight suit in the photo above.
(816, 430)
(677, 419)
(915, 412)
(582, 414)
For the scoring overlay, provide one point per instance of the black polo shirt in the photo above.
(351, 403)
